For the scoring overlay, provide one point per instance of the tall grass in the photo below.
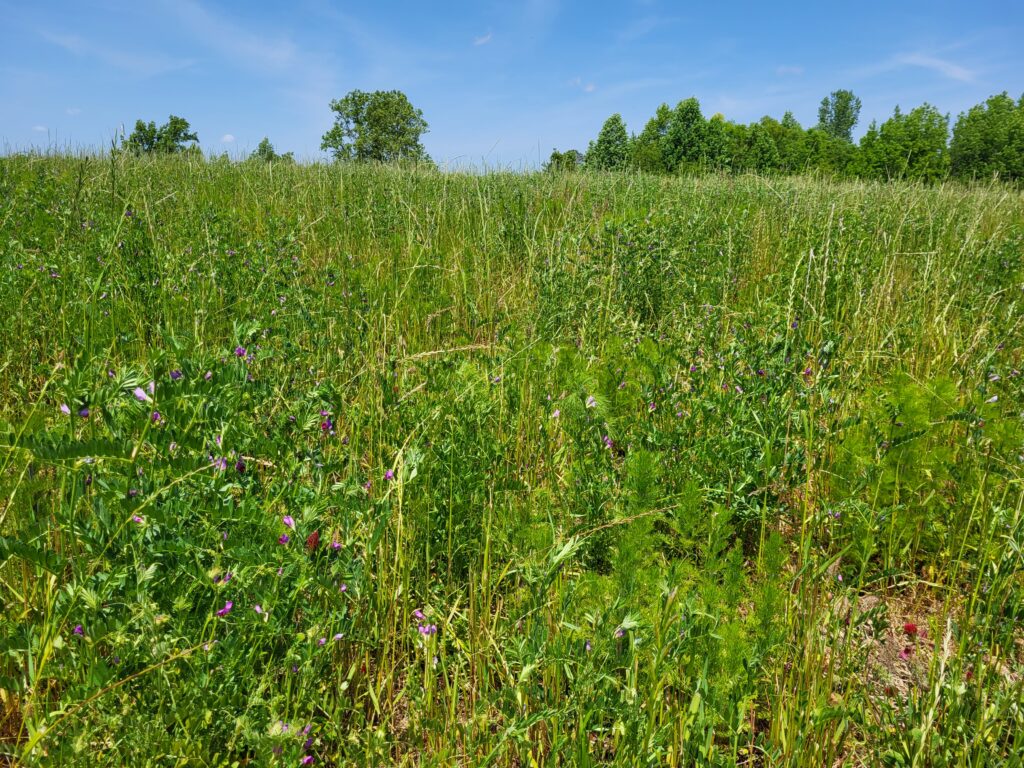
(370, 466)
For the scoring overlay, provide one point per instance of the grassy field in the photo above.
(363, 466)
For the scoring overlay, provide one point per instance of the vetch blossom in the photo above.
(140, 395)
(287, 520)
(226, 609)
(283, 538)
(591, 401)
(64, 409)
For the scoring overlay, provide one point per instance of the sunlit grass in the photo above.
(378, 466)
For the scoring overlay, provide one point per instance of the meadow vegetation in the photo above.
(361, 465)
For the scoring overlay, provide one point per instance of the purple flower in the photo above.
(64, 409)
(156, 417)
(258, 608)
(418, 614)
(306, 760)
(208, 375)
(335, 545)
(651, 406)
(322, 641)
(389, 475)
(556, 413)
(137, 519)
(240, 466)
(993, 399)
(283, 538)
(287, 520)
(79, 631)
(339, 636)
(140, 394)
(591, 402)
(175, 374)
(343, 588)
(240, 351)
(620, 632)
(83, 412)
(607, 441)
(226, 609)
(587, 646)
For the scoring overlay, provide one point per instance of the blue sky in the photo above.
(500, 83)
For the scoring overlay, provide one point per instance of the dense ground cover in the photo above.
(355, 465)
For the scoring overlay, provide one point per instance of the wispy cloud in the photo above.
(642, 27)
(921, 60)
(785, 71)
(232, 40)
(227, 138)
(586, 87)
(935, 64)
(140, 64)
(74, 111)
(39, 128)
(483, 39)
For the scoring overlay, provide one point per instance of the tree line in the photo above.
(986, 141)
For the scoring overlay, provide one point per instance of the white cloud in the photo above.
(589, 87)
(39, 128)
(784, 70)
(227, 138)
(73, 111)
(483, 39)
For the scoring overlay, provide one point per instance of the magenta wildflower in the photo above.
(620, 632)
(240, 466)
(287, 520)
(587, 646)
(556, 414)
(335, 545)
(156, 417)
(607, 441)
(140, 394)
(78, 630)
(389, 475)
(175, 374)
(651, 406)
(306, 760)
(64, 409)
(208, 375)
(83, 412)
(258, 608)
(240, 351)
(591, 402)
(284, 538)
(137, 519)
(226, 609)
(418, 614)
(322, 641)
(343, 588)
(339, 636)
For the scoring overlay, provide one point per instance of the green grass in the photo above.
(718, 471)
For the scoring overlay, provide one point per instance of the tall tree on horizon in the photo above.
(382, 126)
(838, 114)
(611, 149)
